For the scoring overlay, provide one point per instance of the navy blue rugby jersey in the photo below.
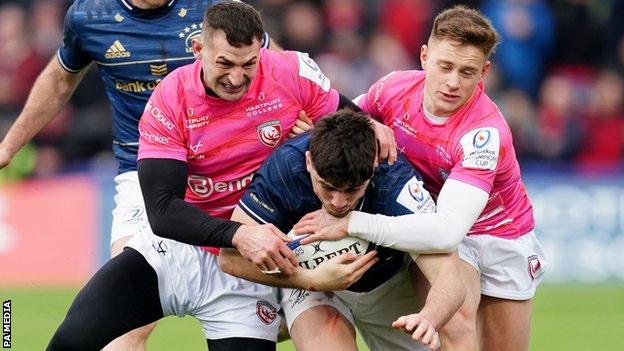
(281, 193)
(134, 49)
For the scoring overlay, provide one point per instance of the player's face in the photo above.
(336, 201)
(452, 73)
(227, 70)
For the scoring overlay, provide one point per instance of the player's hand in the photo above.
(5, 157)
(339, 272)
(302, 125)
(421, 329)
(322, 226)
(387, 143)
(264, 245)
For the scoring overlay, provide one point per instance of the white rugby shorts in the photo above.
(191, 283)
(371, 312)
(129, 216)
(509, 268)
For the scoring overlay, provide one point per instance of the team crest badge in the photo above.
(534, 266)
(270, 133)
(266, 312)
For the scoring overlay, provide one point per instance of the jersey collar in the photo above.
(147, 14)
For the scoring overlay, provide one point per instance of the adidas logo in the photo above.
(116, 51)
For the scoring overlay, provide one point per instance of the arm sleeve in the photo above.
(71, 54)
(313, 87)
(459, 205)
(266, 200)
(161, 131)
(163, 184)
(479, 154)
(372, 101)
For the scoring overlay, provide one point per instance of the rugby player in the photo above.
(204, 133)
(336, 168)
(451, 131)
(135, 44)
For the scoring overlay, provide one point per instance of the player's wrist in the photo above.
(431, 317)
(238, 236)
(303, 279)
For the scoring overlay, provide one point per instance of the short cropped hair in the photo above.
(240, 22)
(467, 26)
(343, 148)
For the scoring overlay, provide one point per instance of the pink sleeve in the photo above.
(367, 101)
(312, 88)
(160, 129)
(479, 154)
(373, 101)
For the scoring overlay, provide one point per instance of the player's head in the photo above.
(341, 159)
(456, 58)
(229, 48)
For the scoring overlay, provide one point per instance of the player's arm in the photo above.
(459, 205)
(163, 184)
(446, 295)
(49, 94)
(335, 274)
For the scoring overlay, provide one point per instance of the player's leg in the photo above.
(129, 218)
(235, 314)
(504, 325)
(318, 320)
(460, 333)
(375, 310)
(322, 328)
(511, 270)
(120, 297)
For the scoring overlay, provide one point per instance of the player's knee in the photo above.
(67, 341)
(131, 341)
(460, 330)
(119, 244)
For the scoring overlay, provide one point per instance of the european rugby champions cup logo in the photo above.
(416, 192)
(269, 133)
(481, 139)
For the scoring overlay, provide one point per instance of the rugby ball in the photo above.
(311, 255)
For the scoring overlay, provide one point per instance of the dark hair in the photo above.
(343, 148)
(240, 22)
(467, 26)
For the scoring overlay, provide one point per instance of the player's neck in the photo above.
(149, 4)
(433, 118)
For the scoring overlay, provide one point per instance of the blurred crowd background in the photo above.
(558, 75)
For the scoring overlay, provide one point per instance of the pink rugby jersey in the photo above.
(225, 142)
(473, 146)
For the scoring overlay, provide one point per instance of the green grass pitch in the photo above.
(566, 317)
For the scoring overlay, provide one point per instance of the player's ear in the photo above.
(197, 47)
(424, 54)
(309, 165)
(486, 68)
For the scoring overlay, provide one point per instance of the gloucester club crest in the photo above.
(269, 133)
